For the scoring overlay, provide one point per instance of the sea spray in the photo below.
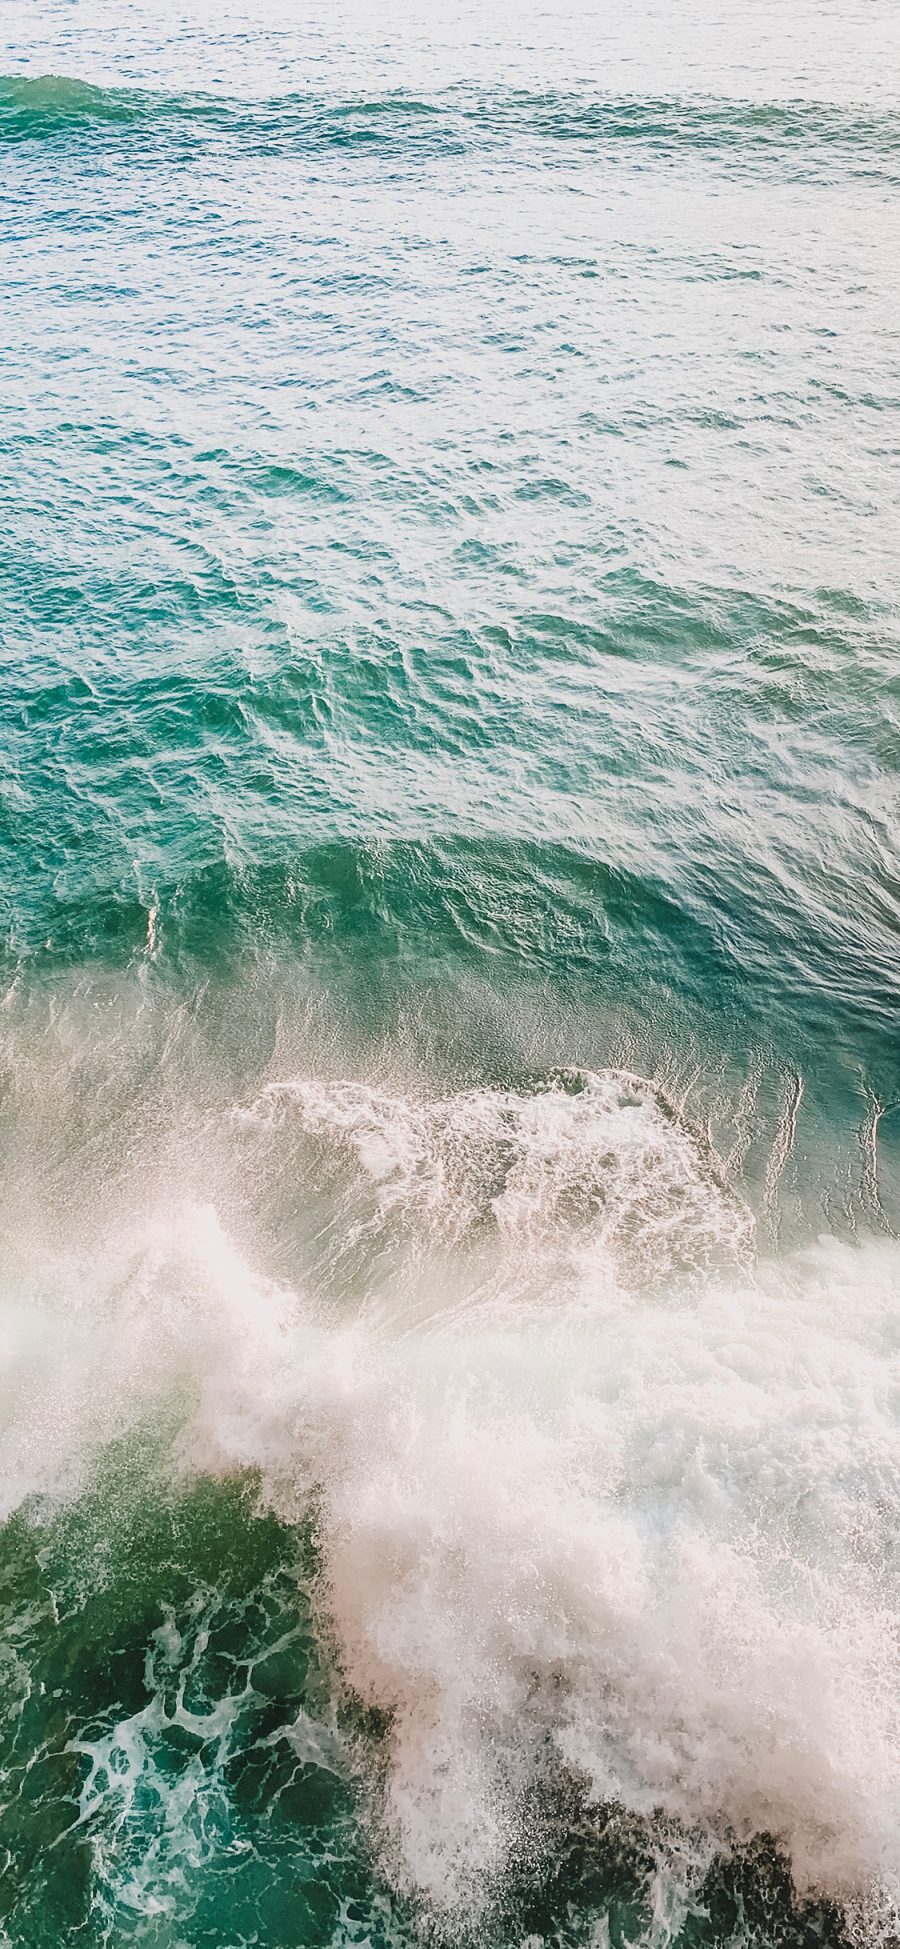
(629, 1534)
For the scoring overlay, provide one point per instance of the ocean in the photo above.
(449, 975)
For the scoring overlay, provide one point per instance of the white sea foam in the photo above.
(590, 1177)
(642, 1533)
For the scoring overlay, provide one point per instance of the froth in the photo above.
(639, 1538)
(591, 1176)
(656, 1557)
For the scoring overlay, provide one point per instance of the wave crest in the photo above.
(590, 1175)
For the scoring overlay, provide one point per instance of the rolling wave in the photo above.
(808, 135)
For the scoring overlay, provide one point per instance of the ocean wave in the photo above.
(587, 1173)
(474, 963)
(496, 896)
(396, 919)
(807, 135)
(593, 1576)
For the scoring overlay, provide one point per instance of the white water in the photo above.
(639, 1528)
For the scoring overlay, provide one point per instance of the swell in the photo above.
(489, 900)
(395, 926)
(811, 135)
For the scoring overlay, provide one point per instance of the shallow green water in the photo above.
(449, 899)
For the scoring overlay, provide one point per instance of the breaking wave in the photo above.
(603, 1510)
(589, 1178)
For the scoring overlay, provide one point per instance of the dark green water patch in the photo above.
(172, 1765)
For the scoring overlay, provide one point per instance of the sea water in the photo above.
(450, 968)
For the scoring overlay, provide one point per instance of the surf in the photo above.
(601, 1501)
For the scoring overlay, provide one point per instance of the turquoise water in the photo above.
(450, 907)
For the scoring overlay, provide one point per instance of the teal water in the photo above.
(450, 968)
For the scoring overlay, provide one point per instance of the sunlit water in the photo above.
(450, 1305)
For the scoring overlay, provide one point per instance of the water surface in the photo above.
(449, 903)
